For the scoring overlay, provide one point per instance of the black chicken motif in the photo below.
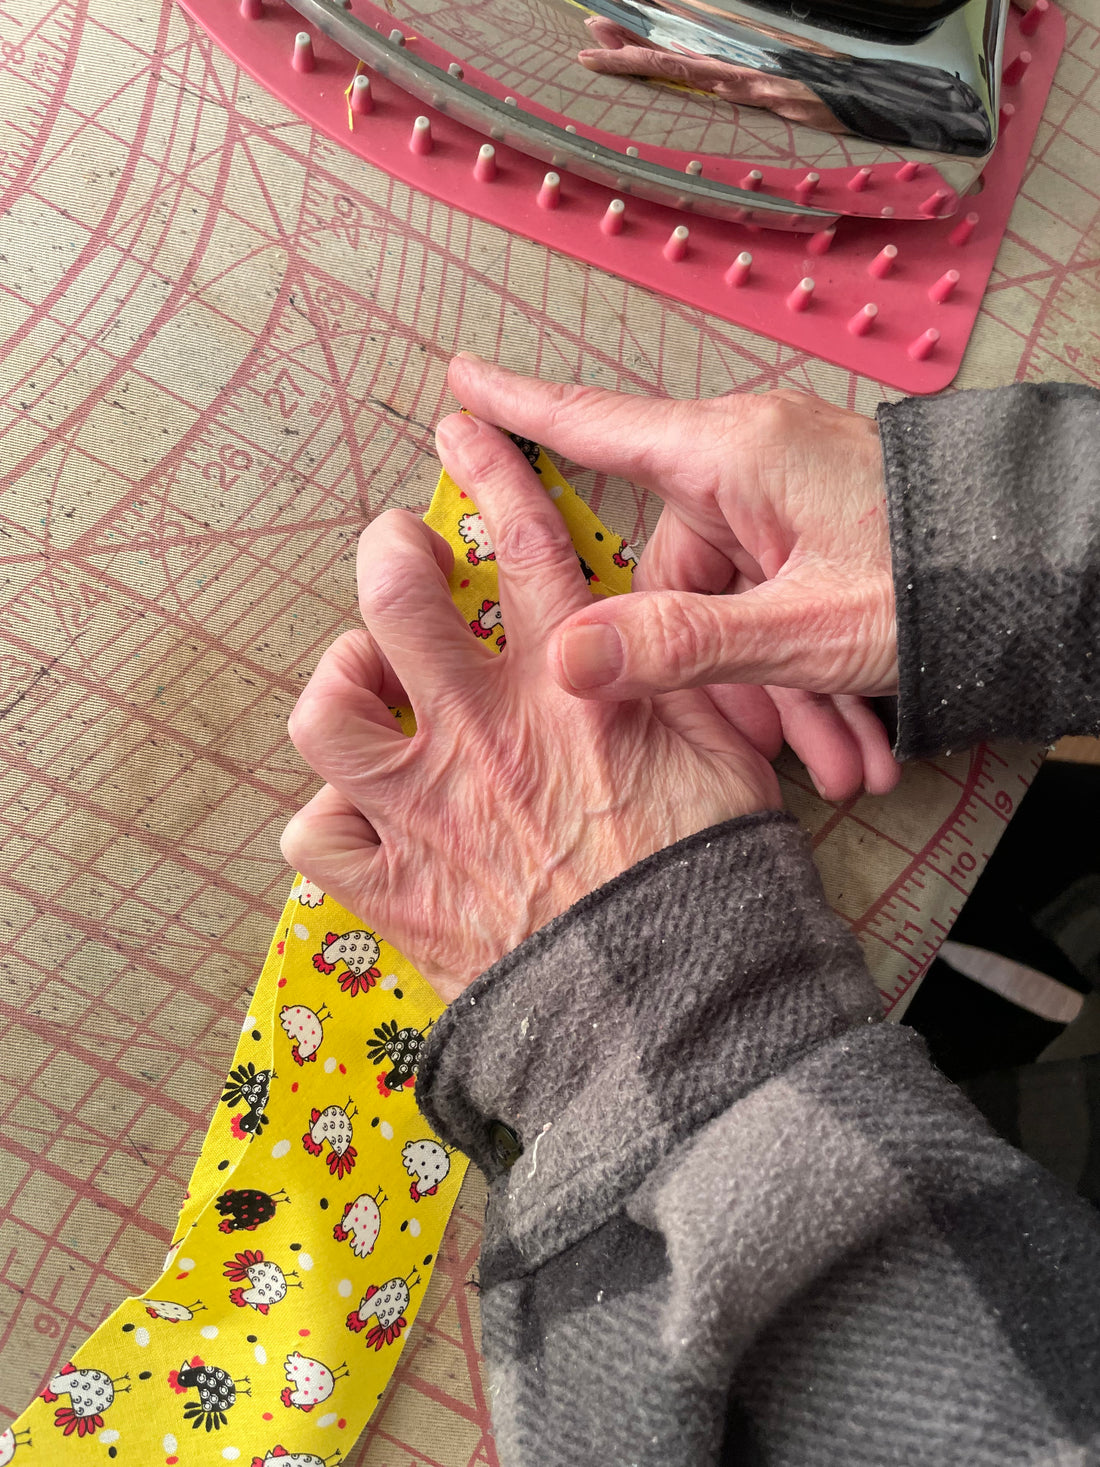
(402, 1048)
(243, 1209)
(249, 1087)
(217, 1390)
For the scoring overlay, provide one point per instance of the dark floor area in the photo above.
(1038, 902)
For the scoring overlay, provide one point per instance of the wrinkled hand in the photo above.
(621, 53)
(513, 799)
(777, 496)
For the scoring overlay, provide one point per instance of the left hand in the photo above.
(513, 799)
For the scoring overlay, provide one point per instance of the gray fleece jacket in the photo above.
(733, 1218)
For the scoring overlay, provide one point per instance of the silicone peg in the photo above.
(362, 101)
(932, 205)
(821, 242)
(612, 221)
(883, 262)
(456, 71)
(694, 168)
(1034, 18)
(801, 295)
(739, 272)
(863, 320)
(924, 344)
(1007, 113)
(631, 152)
(943, 287)
(807, 186)
(752, 180)
(420, 142)
(485, 169)
(397, 37)
(1015, 69)
(303, 58)
(676, 244)
(907, 172)
(550, 192)
(963, 230)
(859, 180)
(252, 9)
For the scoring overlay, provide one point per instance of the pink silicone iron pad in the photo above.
(890, 298)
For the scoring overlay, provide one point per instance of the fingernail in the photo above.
(455, 430)
(818, 785)
(468, 356)
(591, 656)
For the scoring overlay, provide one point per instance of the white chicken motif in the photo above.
(307, 893)
(173, 1313)
(625, 555)
(361, 1222)
(428, 1164)
(487, 621)
(280, 1457)
(267, 1281)
(333, 1124)
(9, 1441)
(304, 1027)
(359, 951)
(90, 1393)
(389, 1305)
(310, 1381)
(472, 529)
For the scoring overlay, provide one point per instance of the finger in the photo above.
(333, 844)
(406, 606)
(815, 731)
(538, 573)
(610, 36)
(341, 725)
(881, 771)
(648, 61)
(778, 632)
(752, 713)
(678, 558)
(648, 440)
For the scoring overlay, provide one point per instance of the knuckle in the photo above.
(566, 399)
(305, 723)
(531, 542)
(294, 841)
(384, 588)
(676, 637)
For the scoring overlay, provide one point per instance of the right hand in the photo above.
(778, 497)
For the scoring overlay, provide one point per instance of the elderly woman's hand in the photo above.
(775, 495)
(513, 799)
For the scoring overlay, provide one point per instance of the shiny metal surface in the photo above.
(781, 93)
(554, 145)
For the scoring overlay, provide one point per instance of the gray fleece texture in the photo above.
(749, 1223)
(745, 1222)
(994, 501)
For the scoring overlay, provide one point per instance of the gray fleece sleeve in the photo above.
(994, 502)
(735, 1219)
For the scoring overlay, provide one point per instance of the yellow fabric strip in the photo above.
(319, 1200)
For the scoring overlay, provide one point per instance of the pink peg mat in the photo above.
(893, 298)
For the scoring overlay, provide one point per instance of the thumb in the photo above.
(652, 642)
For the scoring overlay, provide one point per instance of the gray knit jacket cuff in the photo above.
(637, 1016)
(994, 502)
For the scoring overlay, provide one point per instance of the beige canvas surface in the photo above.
(225, 351)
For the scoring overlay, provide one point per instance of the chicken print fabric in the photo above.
(320, 1197)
